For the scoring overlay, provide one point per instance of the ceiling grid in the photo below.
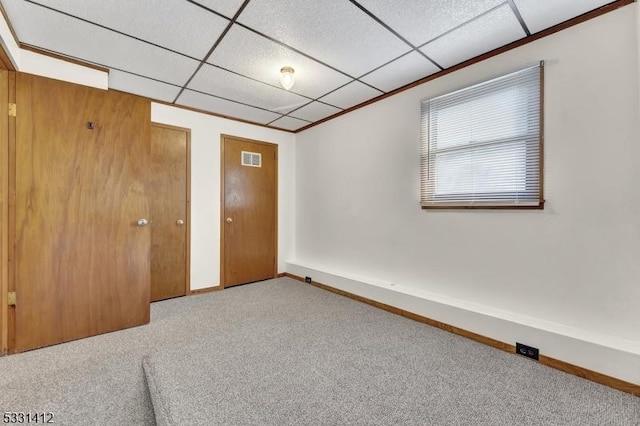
(224, 56)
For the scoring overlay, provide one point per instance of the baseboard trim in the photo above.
(205, 290)
(566, 367)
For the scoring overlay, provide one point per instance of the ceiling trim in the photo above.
(518, 43)
(61, 57)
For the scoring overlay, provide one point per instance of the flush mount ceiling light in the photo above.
(286, 77)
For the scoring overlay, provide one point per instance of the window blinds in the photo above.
(482, 146)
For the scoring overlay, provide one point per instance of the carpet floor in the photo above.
(283, 352)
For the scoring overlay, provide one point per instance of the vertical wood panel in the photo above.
(11, 232)
(82, 264)
(4, 211)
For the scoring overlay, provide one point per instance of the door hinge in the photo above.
(11, 298)
(12, 110)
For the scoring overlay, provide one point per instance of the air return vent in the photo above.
(251, 159)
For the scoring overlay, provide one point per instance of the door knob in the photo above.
(179, 222)
(229, 220)
(142, 222)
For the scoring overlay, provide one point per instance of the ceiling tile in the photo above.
(541, 14)
(126, 82)
(333, 31)
(315, 111)
(262, 59)
(59, 33)
(289, 123)
(350, 95)
(227, 8)
(175, 24)
(495, 29)
(225, 84)
(225, 108)
(404, 70)
(422, 21)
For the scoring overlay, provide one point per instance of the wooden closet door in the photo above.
(81, 260)
(168, 187)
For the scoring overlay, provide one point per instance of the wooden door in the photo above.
(249, 213)
(81, 257)
(169, 211)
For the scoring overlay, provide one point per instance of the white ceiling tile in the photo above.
(315, 111)
(542, 14)
(422, 21)
(402, 71)
(241, 89)
(262, 59)
(333, 31)
(289, 123)
(225, 108)
(59, 33)
(493, 30)
(350, 95)
(126, 82)
(227, 8)
(175, 24)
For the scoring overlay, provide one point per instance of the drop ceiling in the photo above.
(225, 56)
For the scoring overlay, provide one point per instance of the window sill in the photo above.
(539, 206)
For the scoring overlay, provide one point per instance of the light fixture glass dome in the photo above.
(286, 77)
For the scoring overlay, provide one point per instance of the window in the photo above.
(482, 145)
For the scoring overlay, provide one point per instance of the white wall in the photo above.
(571, 270)
(46, 66)
(205, 186)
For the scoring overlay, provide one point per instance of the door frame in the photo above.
(7, 82)
(187, 254)
(223, 138)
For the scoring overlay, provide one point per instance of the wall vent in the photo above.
(251, 159)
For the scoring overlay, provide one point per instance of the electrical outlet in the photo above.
(528, 351)
(307, 280)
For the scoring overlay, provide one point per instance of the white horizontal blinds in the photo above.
(481, 145)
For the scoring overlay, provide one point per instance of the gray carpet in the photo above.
(282, 352)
